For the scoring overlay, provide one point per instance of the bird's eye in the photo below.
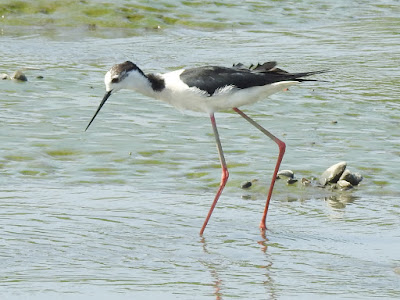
(115, 80)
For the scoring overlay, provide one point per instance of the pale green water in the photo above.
(115, 212)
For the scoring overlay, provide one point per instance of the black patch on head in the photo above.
(120, 71)
(212, 78)
(157, 83)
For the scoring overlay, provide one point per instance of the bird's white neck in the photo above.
(140, 83)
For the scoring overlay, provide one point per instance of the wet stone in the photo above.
(285, 173)
(344, 185)
(353, 178)
(333, 173)
(291, 181)
(4, 76)
(18, 75)
(246, 185)
(305, 181)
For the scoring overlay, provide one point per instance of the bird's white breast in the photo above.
(180, 95)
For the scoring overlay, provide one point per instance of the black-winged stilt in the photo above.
(209, 89)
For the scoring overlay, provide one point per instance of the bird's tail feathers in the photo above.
(299, 76)
(270, 67)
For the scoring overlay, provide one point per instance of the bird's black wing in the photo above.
(212, 78)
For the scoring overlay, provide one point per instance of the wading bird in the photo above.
(209, 89)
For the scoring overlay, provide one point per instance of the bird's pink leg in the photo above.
(282, 148)
(225, 173)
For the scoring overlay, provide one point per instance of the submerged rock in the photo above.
(333, 173)
(18, 75)
(305, 181)
(291, 180)
(4, 76)
(353, 178)
(246, 185)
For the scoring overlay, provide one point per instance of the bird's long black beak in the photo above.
(106, 96)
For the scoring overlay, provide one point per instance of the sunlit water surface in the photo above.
(115, 212)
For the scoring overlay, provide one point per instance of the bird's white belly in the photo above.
(227, 98)
(184, 100)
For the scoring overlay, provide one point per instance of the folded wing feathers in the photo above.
(270, 67)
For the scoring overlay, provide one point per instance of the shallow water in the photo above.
(116, 211)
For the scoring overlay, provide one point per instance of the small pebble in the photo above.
(246, 185)
(285, 173)
(18, 75)
(39, 77)
(305, 181)
(344, 185)
(247, 197)
(397, 270)
(92, 27)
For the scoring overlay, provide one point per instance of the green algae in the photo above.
(104, 170)
(72, 13)
(62, 153)
(18, 158)
(151, 152)
(30, 172)
(194, 175)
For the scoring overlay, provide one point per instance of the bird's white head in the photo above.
(121, 76)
